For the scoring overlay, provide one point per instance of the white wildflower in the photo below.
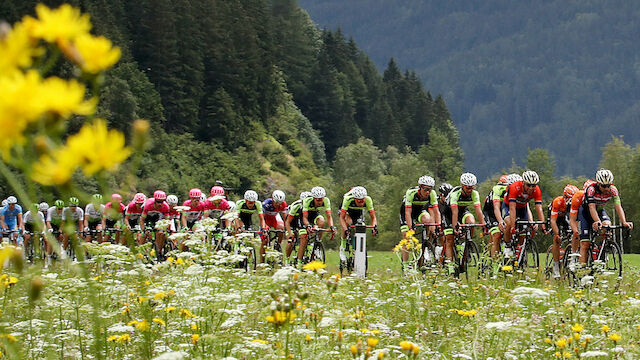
(173, 355)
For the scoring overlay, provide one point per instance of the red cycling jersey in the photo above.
(133, 212)
(515, 193)
(222, 205)
(194, 212)
(576, 201)
(558, 207)
(114, 213)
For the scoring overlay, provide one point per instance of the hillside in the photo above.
(557, 75)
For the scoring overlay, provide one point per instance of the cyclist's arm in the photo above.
(621, 215)
(287, 223)
(497, 211)
(141, 221)
(454, 215)
(86, 220)
(21, 224)
(512, 213)
(329, 217)
(407, 216)
(573, 223)
(183, 219)
(479, 214)
(554, 224)
(343, 219)
(2, 224)
(540, 213)
(374, 219)
(126, 221)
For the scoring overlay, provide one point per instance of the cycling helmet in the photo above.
(445, 188)
(359, 192)
(318, 192)
(569, 190)
(503, 179)
(217, 190)
(116, 197)
(530, 177)
(97, 198)
(587, 183)
(426, 180)
(139, 198)
(468, 179)
(172, 200)
(43, 206)
(603, 177)
(4, 203)
(232, 205)
(35, 207)
(74, 201)
(511, 178)
(159, 195)
(250, 195)
(278, 196)
(12, 200)
(203, 197)
(195, 193)
(59, 204)
(305, 194)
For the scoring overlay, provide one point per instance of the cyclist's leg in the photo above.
(320, 222)
(585, 240)
(345, 237)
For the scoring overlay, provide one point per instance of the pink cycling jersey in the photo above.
(132, 212)
(151, 210)
(114, 213)
(194, 212)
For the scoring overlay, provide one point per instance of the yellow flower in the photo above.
(260, 341)
(406, 345)
(179, 261)
(65, 97)
(195, 338)
(314, 266)
(124, 338)
(605, 328)
(159, 321)
(547, 341)
(143, 325)
(96, 53)
(133, 323)
(615, 337)
(18, 49)
(561, 343)
(380, 355)
(194, 327)
(11, 280)
(373, 342)
(186, 313)
(507, 268)
(308, 338)
(113, 338)
(60, 25)
(159, 296)
(354, 350)
(576, 336)
(57, 168)
(98, 147)
(566, 355)
(170, 309)
(577, 327)
(415, 349)
(169, 260)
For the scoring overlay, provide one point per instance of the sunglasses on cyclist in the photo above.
(605, 186)
(425, 187)
(530, 185)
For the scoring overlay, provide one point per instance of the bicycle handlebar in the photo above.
(527, 222)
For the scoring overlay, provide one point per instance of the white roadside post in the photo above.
(360, 258)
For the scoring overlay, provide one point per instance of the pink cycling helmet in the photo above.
(217, 191)
(116, 197)
(195, 193)
(140, 198)
(159, 195)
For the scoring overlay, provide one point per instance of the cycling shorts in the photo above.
(492, 222)
(274, 221)
(521, 213)
(447, 219)
(584, 216)
(93, 225)
(246, 219)
(417, 213)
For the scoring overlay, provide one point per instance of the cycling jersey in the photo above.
(152, 213)
(69, 214)
(515, 193)
(495, 196)
(195, 211)
(133, 212)
(272, 213)
(312, 210)
(11, 215)
(412, 197)
(95, 215)
(593, 195)
(349, 203)
(30, 219)
(576, 201)
(295, 211)
(54, 216)
(114, 213)
(217, 210)
(456, 198)
(559, 207)
(244, 212)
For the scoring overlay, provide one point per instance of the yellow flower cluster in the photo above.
(281, 317)
(140, 325)
(409, 243)
(124, 338)
(8, 281)
(186, 313)
(409, 347)
(314, 266)
(465, 313)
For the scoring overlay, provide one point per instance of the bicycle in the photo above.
(565, 249)
(274, 243)
(608, 253)
(110, 234)
(526, 250)
(431, 252)
(35, 247)
(248, 250)
(465, 250)
(314, 250)
(352, 246)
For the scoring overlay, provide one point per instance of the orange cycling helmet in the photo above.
(503, 179)
(569, 190)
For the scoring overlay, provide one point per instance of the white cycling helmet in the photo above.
(232, 205)
(4, 203)
(427, 180)
(278, 196)
(43, 206)
(359, 192)
(604, 177)
(305, 194)
(172, 200)
(203, 197)
(530, 177)
(250, 195)
(12, 200)
(511, 178)
(468, 179)
(318, 192)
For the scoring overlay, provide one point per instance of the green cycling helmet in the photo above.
(74, 201)
(59, 204)
(97, 198)
(35, 207)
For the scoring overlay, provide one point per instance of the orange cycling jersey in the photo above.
(576, 201)
(515, 193)
(558, 207)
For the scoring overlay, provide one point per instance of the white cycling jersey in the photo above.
(94, 214)
(68, 214)
(53, 216)
(29, 217)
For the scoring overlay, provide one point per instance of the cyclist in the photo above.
(217, 205)
(33, 221)
(154, 209)
(72, 216)
(246, 208)
(218, 191)
(293, 224)
(54, 224)
(592, 214)
(196, 209)
(11, 218)
(93, 214)
(274, 209)
(133, 212)
(491, 209)
(516, 201)
(174, 214)
(311, 208)
(559, 209)
(114, 215)
(419, 205)
(354, 202)
(455, 211)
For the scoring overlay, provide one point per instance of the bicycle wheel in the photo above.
(530, 259)
(250, 261)
(317, 253)
(548, 263)
(471, 259)
(612, 258)
(427, 256)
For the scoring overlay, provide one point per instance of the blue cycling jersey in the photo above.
(11, 216)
